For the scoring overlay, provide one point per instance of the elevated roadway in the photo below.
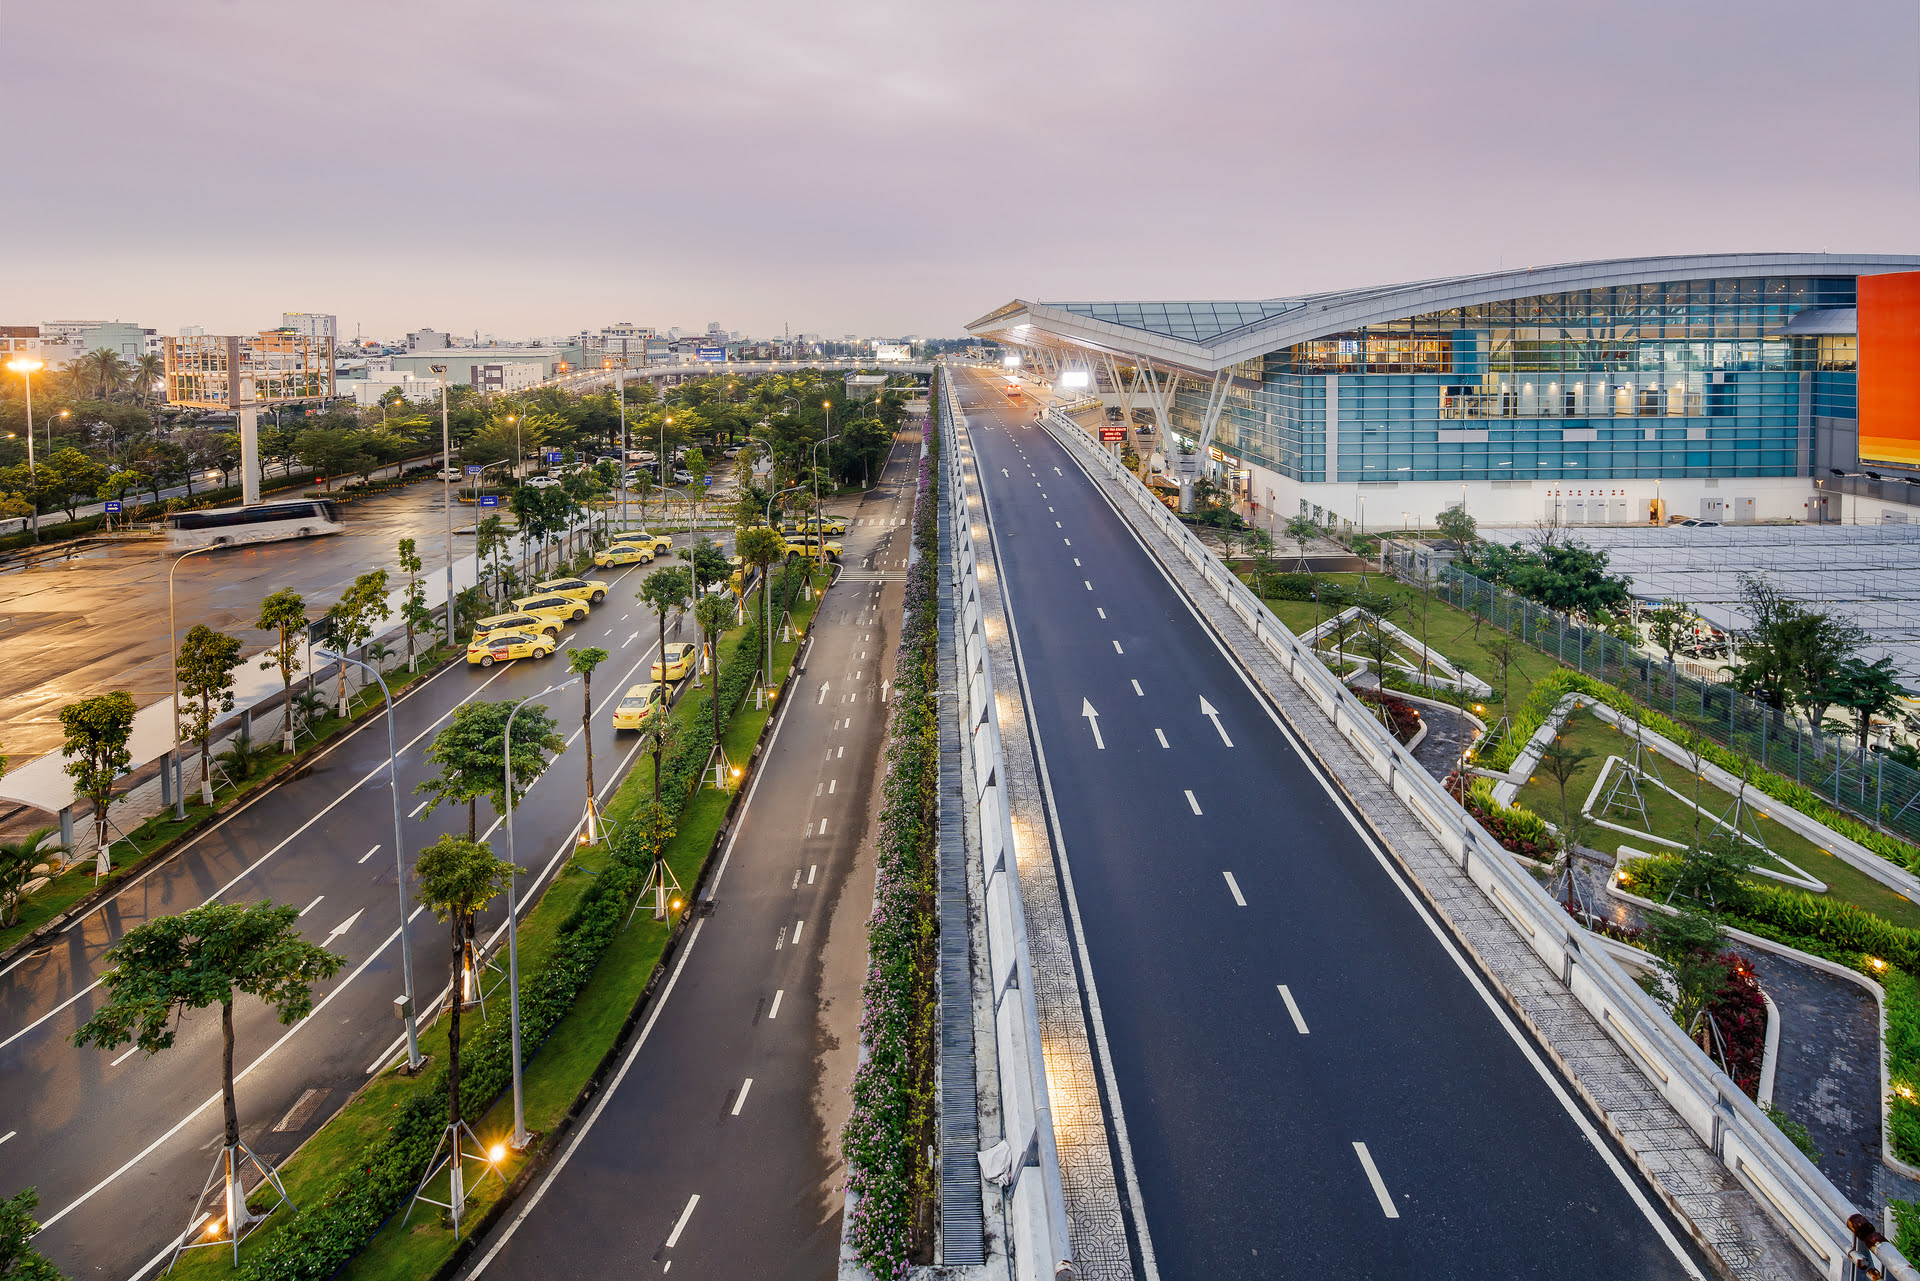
(1313, 1080)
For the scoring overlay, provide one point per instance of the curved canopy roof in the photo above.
(1208, 336)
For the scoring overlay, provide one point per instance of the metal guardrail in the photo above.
(1790, 1188)
(1036, 1207)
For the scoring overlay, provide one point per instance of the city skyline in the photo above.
(782, 166)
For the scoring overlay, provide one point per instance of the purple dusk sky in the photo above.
(886, 168)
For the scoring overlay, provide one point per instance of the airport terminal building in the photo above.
(1735, 387)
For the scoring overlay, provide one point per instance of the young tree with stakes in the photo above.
(205, 670)
(414, 611)
(468, 752)
(582, 662)
(97, 730)
(284, 614)
(160, 970)
(660, 735)
(666, 590)
(456, 879)
(713, 612)
(353, 617)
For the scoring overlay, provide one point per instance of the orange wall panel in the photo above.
(1890, 368)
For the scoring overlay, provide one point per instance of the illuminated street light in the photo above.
(26, 367)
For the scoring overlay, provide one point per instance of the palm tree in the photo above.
(17, 861)
(149, 371)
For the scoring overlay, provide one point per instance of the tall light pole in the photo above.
(446, 485)
(520, 1136)
(766, 587)
(173, 669)
(399, 858)
(620, 392)
(26, 367)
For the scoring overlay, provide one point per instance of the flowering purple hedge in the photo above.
(893, 1101)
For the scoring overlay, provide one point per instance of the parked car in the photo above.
(509, 645)
(579, 588)
(1690, 523)
(449, 473)
(622, 554)
(552, 604)
(683, 477)
(487, 627)
(543, 482)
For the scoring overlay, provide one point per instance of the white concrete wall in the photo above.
(1626, 502)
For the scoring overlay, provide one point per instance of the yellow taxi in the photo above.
(501, 646)
(636, 703)
(579, 588)
(809, 545)
(553, 605)
(622, 554)
(516, 623)
(816, 525)
(655, 543)
(675, 661)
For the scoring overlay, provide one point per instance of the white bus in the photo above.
(263, 523)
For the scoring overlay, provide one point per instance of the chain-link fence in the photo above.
(1882, 792)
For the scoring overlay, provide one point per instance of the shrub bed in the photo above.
(1846, 935)
(891, 1123)
(1551, 689)
(1518, 829)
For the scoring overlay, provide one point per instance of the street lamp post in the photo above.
(26, 367)
(446, 485)
(766, 587)
(620, 392)
(399, 858)
(520, 1136)
(173, 667)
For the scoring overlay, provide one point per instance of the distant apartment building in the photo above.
(18, 339)
(310, 324)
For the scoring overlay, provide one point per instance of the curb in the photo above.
(122, 877)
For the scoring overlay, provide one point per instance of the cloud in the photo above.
(534, 169)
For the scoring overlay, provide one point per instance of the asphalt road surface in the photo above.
(117, 1143)
(1313, 1083)
(715, 1152)
(98, 619)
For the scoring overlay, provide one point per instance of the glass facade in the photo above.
(1683, 378)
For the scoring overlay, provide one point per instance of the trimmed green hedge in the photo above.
(891, 1123)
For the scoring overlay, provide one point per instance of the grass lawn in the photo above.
(77, 881)
(1673, 820)
(1448, 631)
(555, 1070)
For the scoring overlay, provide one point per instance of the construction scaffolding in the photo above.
(236, 374)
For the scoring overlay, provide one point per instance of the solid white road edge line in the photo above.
(640, 1041)
(1379, 1185)
(1492, 1002)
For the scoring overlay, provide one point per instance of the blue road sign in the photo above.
(489, 500)
(553, 455)
(706, 480)
(113, 505)
(473, 469)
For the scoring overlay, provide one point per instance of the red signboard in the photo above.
(1112, 435)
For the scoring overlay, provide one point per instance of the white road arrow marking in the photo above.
(1056, 471)
(343, 927)
(1212, 713)
(1093, 722)
(823, 694)
(1005, 472)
